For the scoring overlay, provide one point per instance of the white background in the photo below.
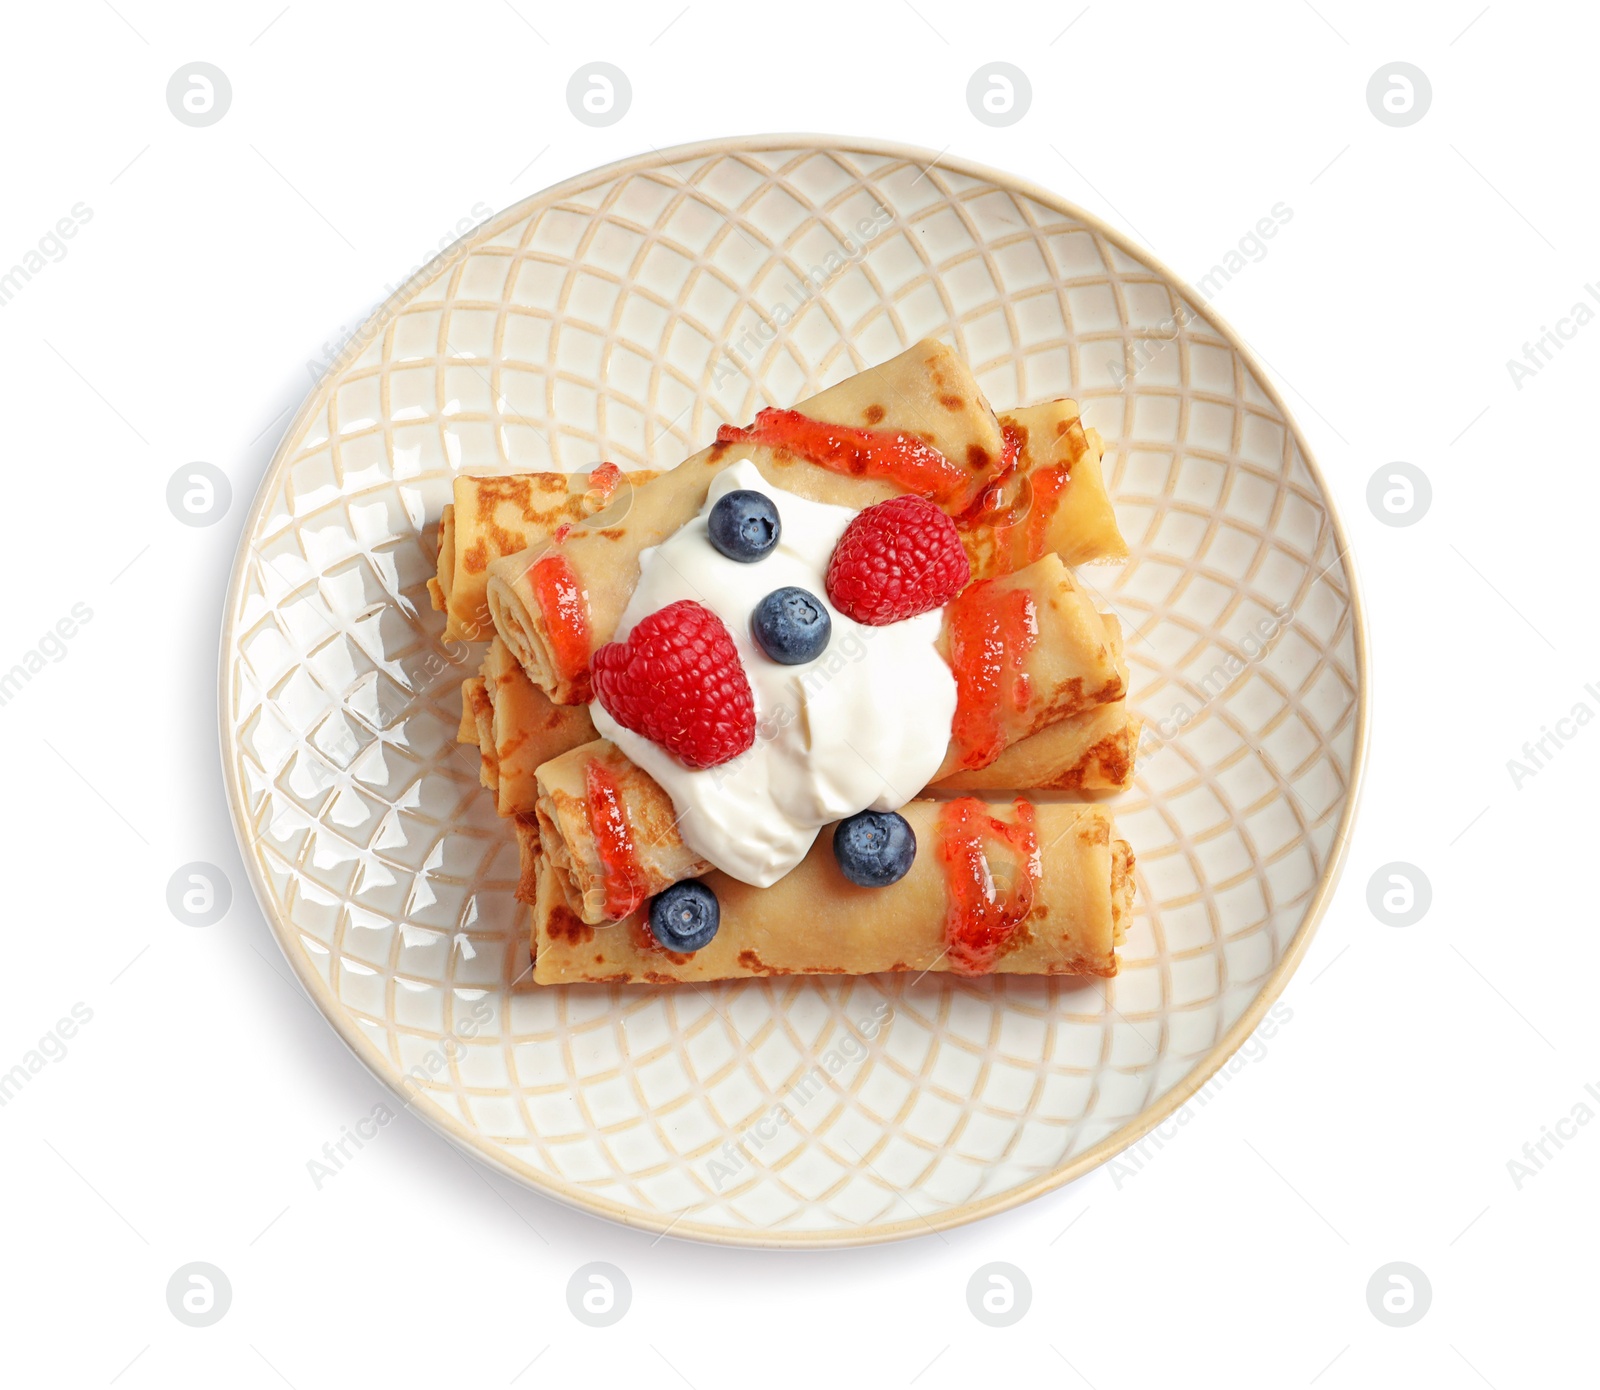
(1378, 1124)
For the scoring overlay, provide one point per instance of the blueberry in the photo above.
(791, 625)
(874, 848)
(744, 525)
(685, 916)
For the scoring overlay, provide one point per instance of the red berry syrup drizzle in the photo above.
(890, 455)
(564, 603)
(1020, 530)
(983, 915)
(604, 479)
(613, 838)
(991, 632)
(983, 511)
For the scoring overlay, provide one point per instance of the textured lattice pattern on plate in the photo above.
(627, 320)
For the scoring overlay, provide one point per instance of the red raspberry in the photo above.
(895, 560)
(677, 681)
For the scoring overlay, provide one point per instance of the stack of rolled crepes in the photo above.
(552, 560)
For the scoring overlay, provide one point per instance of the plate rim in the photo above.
(572, 1194)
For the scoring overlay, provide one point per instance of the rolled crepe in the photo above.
(1090, 752)
(1028, 651)
(555, 603)
(1054, 503)
(609, 832)
(515, 727)
(526, 729)
(477, 728)
(526, 829)
(495, 516)
(996, 888)
(1094, 751)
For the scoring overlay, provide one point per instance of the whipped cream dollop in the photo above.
(864, 726)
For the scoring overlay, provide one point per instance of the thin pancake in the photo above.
(1056, 501)
(816, 922)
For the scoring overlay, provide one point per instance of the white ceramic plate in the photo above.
(624, 315)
